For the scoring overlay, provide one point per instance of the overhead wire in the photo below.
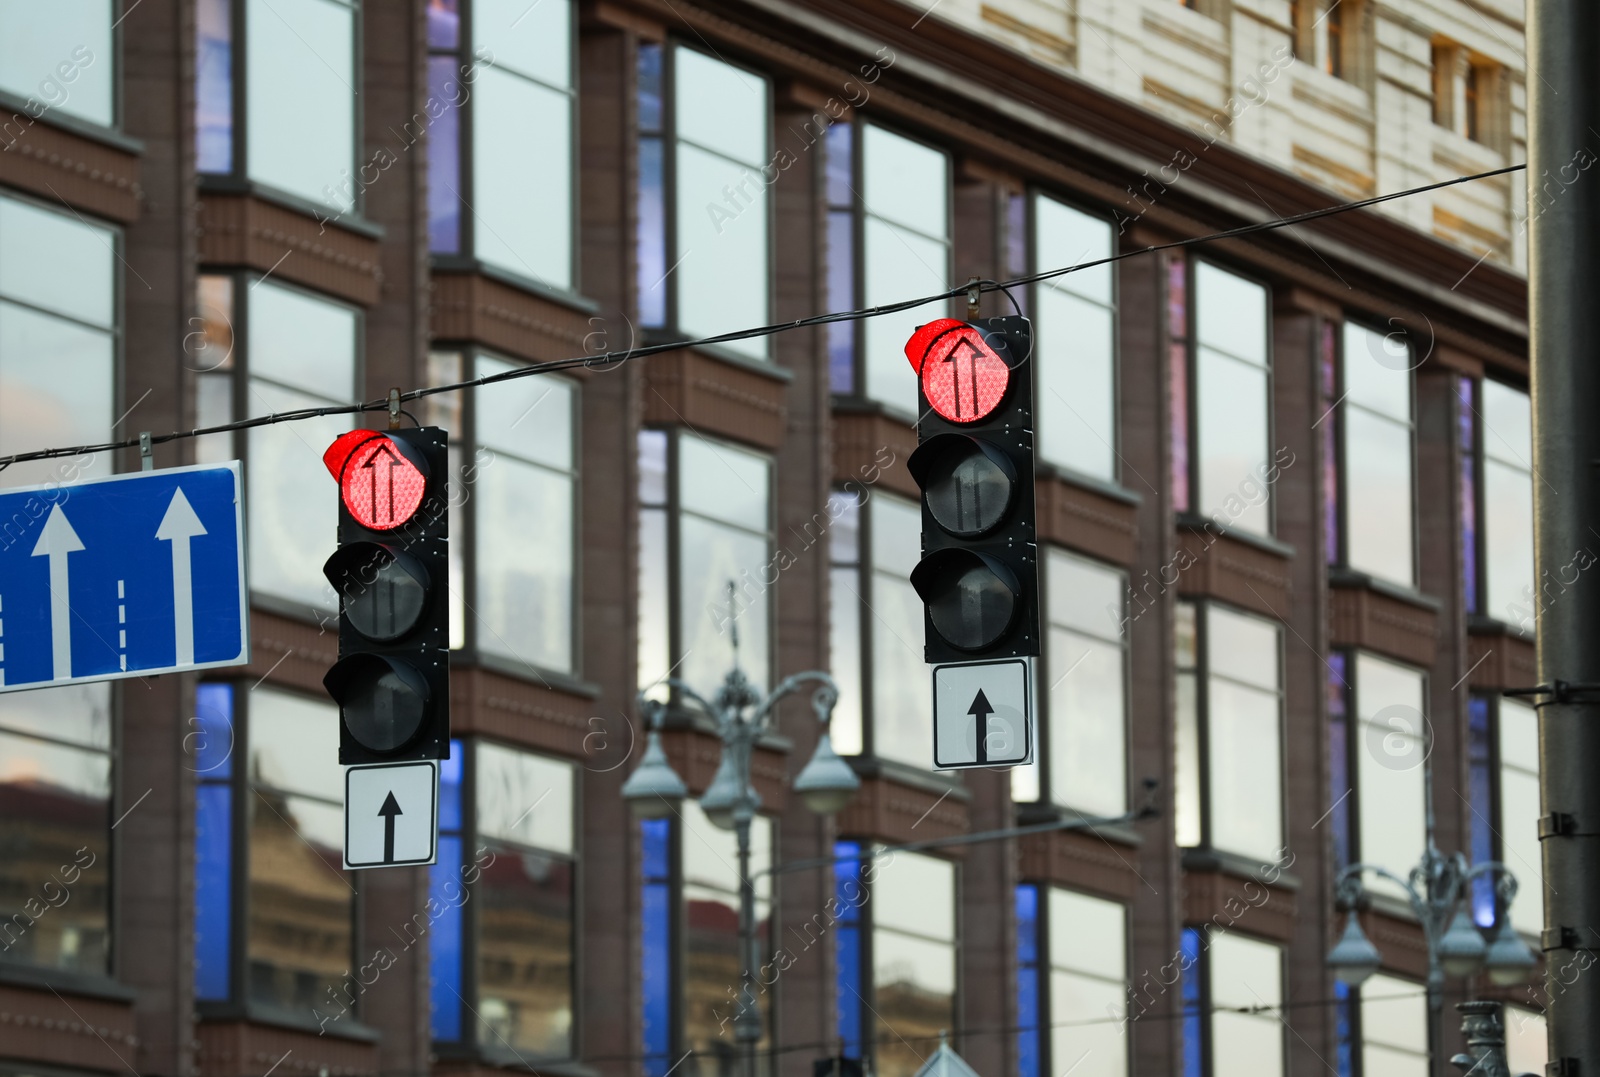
(612, 359)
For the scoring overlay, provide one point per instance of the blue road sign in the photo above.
(127, 576)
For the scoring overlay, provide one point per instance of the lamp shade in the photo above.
(654, 789)
(827, 783)
(722, 796)
(1354, 958)
(1461, 950)
(1508, 959)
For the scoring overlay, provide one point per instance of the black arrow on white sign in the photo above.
(981, 711)
(389, 810)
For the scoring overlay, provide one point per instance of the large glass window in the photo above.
(705, 267)
(876, 628)
(500, 114)
(1507, 508)
(1072, 981)
(1229, 780)
(1086, 706)
(1394, 1028)
(1386, 751)
(1233, 1000)
(692, 969)
(1074, 325)
(299, 933)
(1375, 458)
(525, 518)
(894, 1011)
(294, 350)
(1517, 811)
(59, 58)
(712, 963)
(500, 922)
(1230, 371)
(706, 561)
(58, 298)
(55, 846)
(898, 192)
(1527, 1040)
(299, 59)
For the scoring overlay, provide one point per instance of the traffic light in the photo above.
(979, 573)
(392, 571)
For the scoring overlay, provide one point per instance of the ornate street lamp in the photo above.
(742, 715)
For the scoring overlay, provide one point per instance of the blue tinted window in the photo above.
(1194, 1017)
(847, 946)
(655, 973)
(210, 743)
(1339, 760)
(1029, 1034)
(1480, 763)
(446, 889)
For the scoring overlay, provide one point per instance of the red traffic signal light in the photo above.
(978, 577)
(391, 572)
(963, 378)
(381, 479)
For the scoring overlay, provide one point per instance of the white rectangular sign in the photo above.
(391, 814)
(983, 714)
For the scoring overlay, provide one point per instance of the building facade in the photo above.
(1284, 493)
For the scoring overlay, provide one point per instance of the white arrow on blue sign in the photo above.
(127, 576)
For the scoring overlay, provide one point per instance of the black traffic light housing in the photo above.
(392, 680)
(979, 573)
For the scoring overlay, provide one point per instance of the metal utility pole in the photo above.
(1564, 323)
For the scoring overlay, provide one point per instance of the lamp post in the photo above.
(1438, 889)
(742, 714)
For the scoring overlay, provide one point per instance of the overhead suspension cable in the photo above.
(611, 359)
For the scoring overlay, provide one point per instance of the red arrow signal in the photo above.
(963, 378)
(378, 482)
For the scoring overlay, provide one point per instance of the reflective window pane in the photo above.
(61, 56)
(1378, 506)
(913, 957)
(1074, 341)
(533, 40)
(299, 62)
(1073, 344)
(722, 259)
(724, 483)
(299, 942)
(58, 262)
(1246, 973)
(444, 156)
(54, 268)
(55, 851)
(901, 690)
(710, 557)
(1507, 441)
(1242, 647)
(302, 342)
(1232, 440)
(711, 959)
(1519, 812)
(899, 264)
(1377, 371)
(1390, 749)
(905, 182)
(213, 85)
(66, 401)
(1246, 775)
(532, 417)
(524, 526)
(1394, 1028)
(905, 253)
(524, 798)
(1230, 314)
(525, 909)
(522, 205)
(291, 535)
(1527, 1040)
